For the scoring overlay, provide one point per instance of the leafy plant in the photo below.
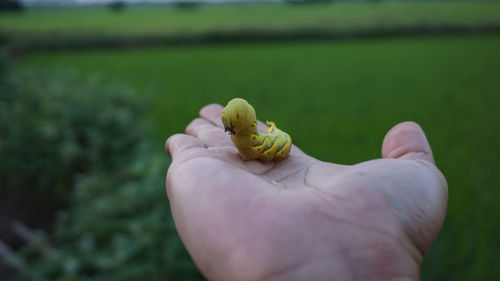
(83, 140)
(55, 124)
(118, 228)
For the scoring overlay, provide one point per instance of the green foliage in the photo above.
(308, 1)
(190, 23)
(117, 6)
(337, 100)
(61, 130)
(118, 228)
(11, 6)
(55, 124)
(165, 20)
(186, 5)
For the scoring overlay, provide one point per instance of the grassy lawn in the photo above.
(337, 100)
(154, 20)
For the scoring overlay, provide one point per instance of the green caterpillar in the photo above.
(240, 121)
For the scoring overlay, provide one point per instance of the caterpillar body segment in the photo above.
(239, 120)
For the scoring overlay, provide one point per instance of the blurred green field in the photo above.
(337, 100)
(157, 19)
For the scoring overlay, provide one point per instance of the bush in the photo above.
(118, 228)
(55, 125)
(60, 131)
(308, 1)
(11, 6)
(117, 6)
(186, 4)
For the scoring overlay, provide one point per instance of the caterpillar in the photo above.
(240, 121)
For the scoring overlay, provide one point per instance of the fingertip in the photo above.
(211, 110)
(178, 143)
(166, 145)
(195, 125)
(407, 140)
(212, 113)
(169, 143)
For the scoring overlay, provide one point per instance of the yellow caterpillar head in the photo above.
(238, 115)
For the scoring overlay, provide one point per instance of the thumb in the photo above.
(406, 140)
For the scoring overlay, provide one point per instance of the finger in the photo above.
(406, 140)
(178, 143)
(208, 133)
(212, 113)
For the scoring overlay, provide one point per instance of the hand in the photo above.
(301, 218)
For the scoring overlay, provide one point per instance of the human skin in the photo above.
(302, 218)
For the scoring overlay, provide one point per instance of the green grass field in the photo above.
(337, 100)
(165, 20)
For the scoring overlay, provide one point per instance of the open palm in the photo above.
(301, 218)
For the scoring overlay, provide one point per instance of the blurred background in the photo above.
(91, 89)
